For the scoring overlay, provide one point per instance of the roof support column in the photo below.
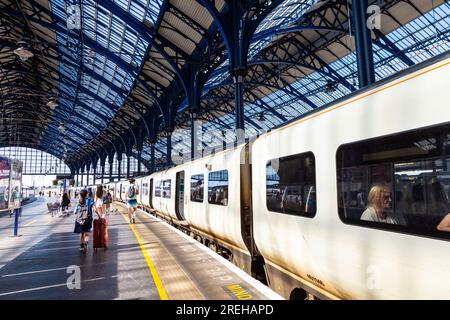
(128, 166)
(111, 163)
(103, 171)
(237, 26)
(82, 171)
(102, 164)
(194, 136)
(152, 158)
(88, 168)
(139, 160)
(169, 149)
(110, 171)
(363, 41)
(139, 147)
(119, 165)
(77, 173)
(238, 78)
(94, 172)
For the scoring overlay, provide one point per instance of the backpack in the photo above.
(107, 199)
(131, 192)
(84, 213)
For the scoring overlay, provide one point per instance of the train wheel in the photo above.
(299, 294)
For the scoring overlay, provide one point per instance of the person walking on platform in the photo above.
(98, 202)
(65, 203)
(107, 200)
(131, 200)
(83, 221)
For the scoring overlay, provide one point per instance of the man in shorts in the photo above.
(132, 193)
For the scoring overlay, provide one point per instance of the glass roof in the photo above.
(101, 67)
(420, 39)
(104, 60)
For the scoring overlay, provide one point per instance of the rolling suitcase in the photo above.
(100, 234)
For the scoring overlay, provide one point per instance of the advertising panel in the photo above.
(10, 183)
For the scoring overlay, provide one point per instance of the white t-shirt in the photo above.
(392, 218)
(136, 192)
(99, 202)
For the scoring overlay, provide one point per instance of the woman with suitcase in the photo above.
(100, 224)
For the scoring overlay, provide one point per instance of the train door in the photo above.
(179, 196)
(150, 193)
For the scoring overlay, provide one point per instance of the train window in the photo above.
(158, 189)
(197, 187)
(145, 188)
(399, 182)
(166, 190)
(218, 187)
(291, 185)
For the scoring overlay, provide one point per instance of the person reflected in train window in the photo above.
(379, 207)
(445, 224)
(225, 197)
(360, 200)
(404, 204)
(438, 201)
(212, 199)
(218, 196)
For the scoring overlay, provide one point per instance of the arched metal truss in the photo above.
(136, 72)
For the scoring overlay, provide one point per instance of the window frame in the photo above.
(156, 187)
(170, 189)
(190, 187)
(228, 184)
(409, 230)
(310, 216)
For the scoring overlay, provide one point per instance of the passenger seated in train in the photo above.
(379, 207)
(445, 224)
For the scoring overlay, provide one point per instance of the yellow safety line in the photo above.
(158, 282)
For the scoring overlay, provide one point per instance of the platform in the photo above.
(147, 260)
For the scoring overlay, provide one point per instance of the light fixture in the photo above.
(52, 104)
(331, 86)
(23, 51)
(261, 117)
(61, 126)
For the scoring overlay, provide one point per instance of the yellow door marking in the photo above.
(162, 293)
(239, 292)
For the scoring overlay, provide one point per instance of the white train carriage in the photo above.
(117, 191)
(212, 195)
(145, 192)
(123, 190)
(138, 182)
(111, 187)
(396, 133)
(164, 195)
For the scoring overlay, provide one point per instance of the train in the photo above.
(28, 194)
(287, 207)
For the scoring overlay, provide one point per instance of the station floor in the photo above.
(148, 260)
